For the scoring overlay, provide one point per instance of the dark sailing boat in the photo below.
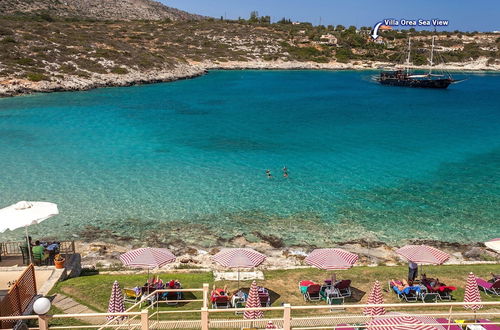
(405, 78)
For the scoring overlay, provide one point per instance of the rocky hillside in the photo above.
(47, 53)
(96, 9)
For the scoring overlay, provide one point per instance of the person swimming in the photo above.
(285, 172)
(269, 175)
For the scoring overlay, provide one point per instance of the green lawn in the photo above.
(94, 291)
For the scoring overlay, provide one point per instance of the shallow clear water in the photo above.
(186, 160)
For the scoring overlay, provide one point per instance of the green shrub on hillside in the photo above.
(119, 70)
(35, 76)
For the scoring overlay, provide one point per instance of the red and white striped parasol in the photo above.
(423, 254)
(239, 258)
(404, 322)
(253, 301)
(375, 298)
(147, 258)
(472, 294)
(116, 303)
(331, 259)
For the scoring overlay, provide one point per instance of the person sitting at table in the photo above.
(53, 246)
(38, 252)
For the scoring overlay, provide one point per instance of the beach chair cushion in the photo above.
(130, 295)
(488, 287)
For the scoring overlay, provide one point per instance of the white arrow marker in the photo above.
(374, 34)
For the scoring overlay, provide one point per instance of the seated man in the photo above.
(38, 252)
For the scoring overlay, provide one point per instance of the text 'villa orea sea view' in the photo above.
(247, 165)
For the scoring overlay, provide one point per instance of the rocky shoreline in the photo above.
(16, 86)
(104, 255)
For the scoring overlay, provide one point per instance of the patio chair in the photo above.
(427, 297)
(238, 302)
(410, 296)
(487, 324)
(444, 292)
(335, 300)
(220, 302)
(25, 254)
(313, 293)
(264, 297)
(344, 288)
(131, 296)
(40, 259)
(171, 298)
(488, 287)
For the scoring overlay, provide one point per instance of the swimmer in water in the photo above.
(269, 175)
(285, 172)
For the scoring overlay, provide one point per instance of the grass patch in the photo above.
(283, 285)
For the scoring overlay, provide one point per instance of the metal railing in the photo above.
(153, 300)
(12, 248)
(285, 317)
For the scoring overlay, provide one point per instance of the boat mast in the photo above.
(432, 55)
(408, 58)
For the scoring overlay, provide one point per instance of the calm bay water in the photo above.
(187, 160)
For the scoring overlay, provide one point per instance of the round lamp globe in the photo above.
(41, 306)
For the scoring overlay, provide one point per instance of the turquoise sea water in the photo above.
(187, 160)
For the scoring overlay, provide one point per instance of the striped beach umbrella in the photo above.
(253, 301)
(423, 254)
(472, 294)
(404, 322)
(493, 244)
(147, 258)
(116, 303)
(331, 259)
(375, 298)
(239, 258)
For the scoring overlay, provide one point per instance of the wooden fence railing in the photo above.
(19, 296)
(12, 248)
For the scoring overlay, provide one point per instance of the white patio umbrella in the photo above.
(493, 244)
(24, 214)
